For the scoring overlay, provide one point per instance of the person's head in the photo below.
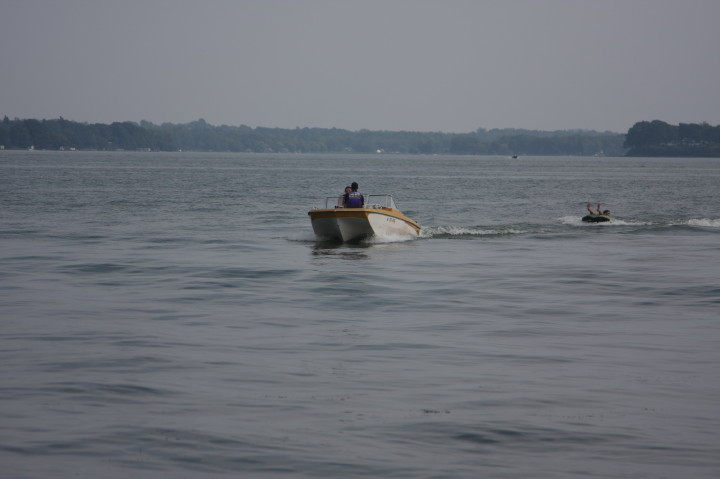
(348, 189)
(354, 186)
(606, 212)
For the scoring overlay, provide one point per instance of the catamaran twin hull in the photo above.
(356, 224)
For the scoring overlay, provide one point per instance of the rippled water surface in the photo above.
(172, 315)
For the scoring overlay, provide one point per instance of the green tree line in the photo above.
(657, 138)
(201, 136)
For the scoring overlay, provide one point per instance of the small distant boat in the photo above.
(379, 217)
(596, 218)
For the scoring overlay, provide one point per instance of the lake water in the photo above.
(171, 315)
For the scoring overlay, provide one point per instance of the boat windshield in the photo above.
(374, 201)
(371, 201)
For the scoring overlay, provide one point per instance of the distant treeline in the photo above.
(657, 138)
(645, 138)
(201, 136)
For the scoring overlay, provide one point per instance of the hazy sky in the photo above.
(443, 65)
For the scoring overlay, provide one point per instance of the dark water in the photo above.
(172, 316)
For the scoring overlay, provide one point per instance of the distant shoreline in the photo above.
(654, 138)
(61, 134)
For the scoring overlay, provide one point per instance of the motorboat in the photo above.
(378, 217)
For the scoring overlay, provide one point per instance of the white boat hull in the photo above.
(356, 224)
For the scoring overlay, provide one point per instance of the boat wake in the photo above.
(705, 222)
(469, 231)
(381, 238)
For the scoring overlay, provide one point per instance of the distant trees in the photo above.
(201, 136)
(650, 133)
(60, 133)
(657, 138)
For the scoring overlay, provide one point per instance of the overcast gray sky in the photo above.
(444, 65)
